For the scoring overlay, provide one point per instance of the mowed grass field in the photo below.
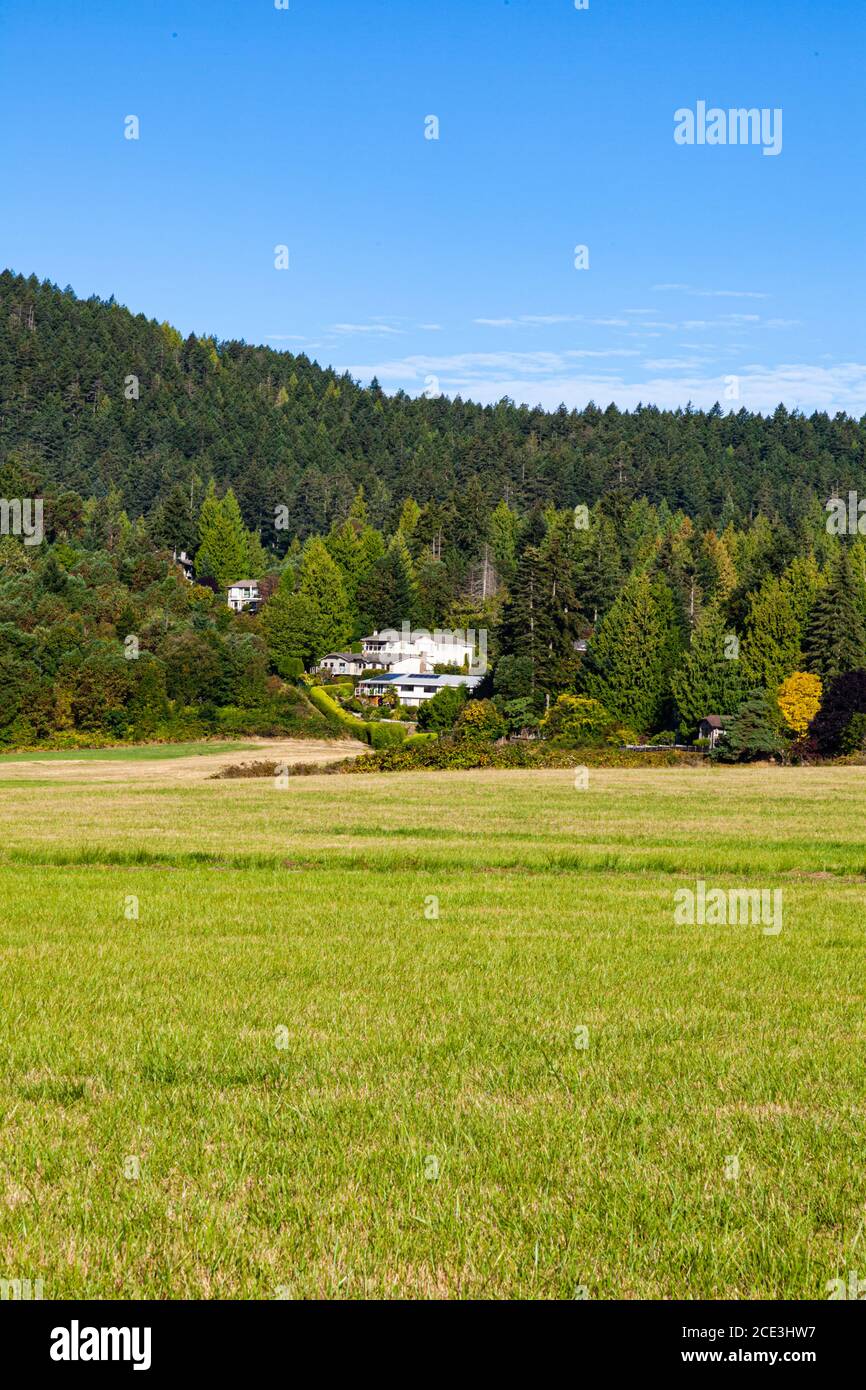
(289, 1078)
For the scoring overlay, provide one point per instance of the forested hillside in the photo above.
(690, 549)
(283, 431)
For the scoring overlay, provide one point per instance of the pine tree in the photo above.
(771, 647)
(358, 513)
(320, 581)
(387, 597)
(258, 561)
(345, 547)
(624, 669)
(223, 552)
(835, 639)
(542, 617)
(172, 526)
(707, 681)
(502, 534)
(434, 593)
(599, 572)
(558, 616)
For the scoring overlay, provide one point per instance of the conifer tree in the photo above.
(320, 581)
(771, 647)
(223, 551)
(707, 680)
(624, 669)
(542, 616)
(753, 731)
(293, 630)
(172, 526)
(345, 547)
(387, 597)
(599, 570)
(502, 534)
(835, 639)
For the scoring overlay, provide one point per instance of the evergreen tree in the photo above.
(502, 535)
(542, 617)
(835, 639)
(172, 526)
(387, 596)
(320, 581)
(599, 571)
(258, 561)
(752, 733)
(223, 551)
(345, 547)
(706, 680)
(624, 670)
(293, 631)
(435, 590)
(771, 646)
(843, 701)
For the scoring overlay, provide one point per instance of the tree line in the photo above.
(664, 565)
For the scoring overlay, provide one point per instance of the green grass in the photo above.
(408, 1038)
(132, 753)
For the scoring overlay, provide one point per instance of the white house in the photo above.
(343, 664)
(409, 650)
(411, 687)
(244, 593)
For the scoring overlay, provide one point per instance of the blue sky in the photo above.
(449, 264)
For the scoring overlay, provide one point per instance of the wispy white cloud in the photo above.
(713, 294)
(547, 379)
(375, 328)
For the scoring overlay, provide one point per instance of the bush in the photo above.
(452, 754)
(386, 735)
(416, 740)
(579, 720)
(442, 711)
(620, 736)
(480, 719)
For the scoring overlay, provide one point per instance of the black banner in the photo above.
(159, 1339)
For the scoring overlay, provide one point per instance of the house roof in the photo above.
(426, 678)
(344, 656)
(244, 584)
(715, 721)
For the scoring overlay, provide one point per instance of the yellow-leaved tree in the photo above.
(799, 700)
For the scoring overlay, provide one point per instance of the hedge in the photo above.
(379, 735)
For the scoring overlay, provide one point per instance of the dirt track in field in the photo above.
(197, 767)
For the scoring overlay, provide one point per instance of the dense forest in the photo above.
(690, 550)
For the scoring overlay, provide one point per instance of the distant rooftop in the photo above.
(428, 678)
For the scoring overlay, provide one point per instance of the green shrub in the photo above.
(579, 719)
(416, 740)
(323, 702)
(480, 719)
(386, 735)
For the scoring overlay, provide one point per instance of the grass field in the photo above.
(289, 1077)
(130, 753)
